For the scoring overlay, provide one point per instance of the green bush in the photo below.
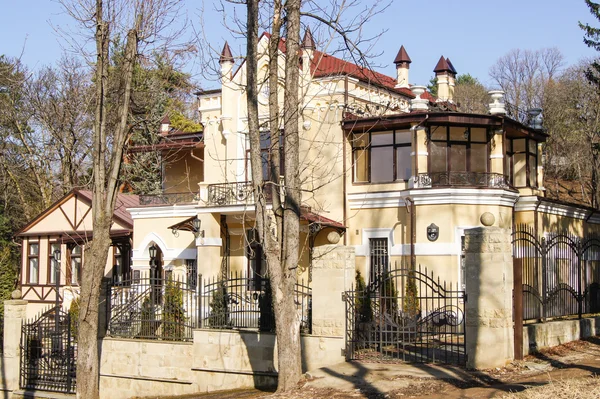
(148, 322)
(362, 301)
(173, 315)
(74, 318)
(219, 312)
(411, 306)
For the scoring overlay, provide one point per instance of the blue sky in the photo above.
(472, 33)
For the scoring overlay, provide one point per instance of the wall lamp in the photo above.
(196, 226)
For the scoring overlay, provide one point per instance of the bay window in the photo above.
(522, 157)
(458, 149)
(381, 157)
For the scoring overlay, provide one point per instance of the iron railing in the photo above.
(237, 193)
(240, 301)
(169, 198)
(560, 273)
(169, 309)
(462, 179)
(49, 352)
(406, 314)
(152, 308)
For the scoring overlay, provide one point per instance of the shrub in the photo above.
(411, 306)
(74, 318)
(362, 302)
(173, 315)
(219, 313)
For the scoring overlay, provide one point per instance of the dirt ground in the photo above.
(566, 371)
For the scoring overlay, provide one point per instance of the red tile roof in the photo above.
(124, 201)
(326, 65)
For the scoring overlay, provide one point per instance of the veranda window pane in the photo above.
(403, 163)
(519, 145)
(382, 164)
(361, 165)
(438, 133)
(479, 158)
(478, 134)
(382, 138)
(459, 134)
(519, 168)
(532, 171)
(458, 158)
(403, 137)
(438, 157)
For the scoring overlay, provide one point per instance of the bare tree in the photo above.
(470, 95)
(523, 75)
(143, 24)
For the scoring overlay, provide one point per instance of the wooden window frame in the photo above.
(510, 153)
(368, 147)
(70, 265)
(29, 257)
(467, 143)
(51, 261)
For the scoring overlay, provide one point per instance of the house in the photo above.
(56, 237)
(387, 169)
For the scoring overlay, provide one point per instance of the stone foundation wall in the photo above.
(215, 360)
(545, 335)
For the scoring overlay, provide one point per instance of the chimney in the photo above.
(402, 62)
(308, 49)
(165, 125)
(497, 106)
(226, 61)
(445, 74)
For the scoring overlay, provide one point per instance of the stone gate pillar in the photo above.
(332, 275)
(14, 315)
(489, 283)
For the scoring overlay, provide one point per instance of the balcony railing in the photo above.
(237, 193)
(462, 179)
(169, 198)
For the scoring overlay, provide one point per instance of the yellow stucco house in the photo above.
(386, 168)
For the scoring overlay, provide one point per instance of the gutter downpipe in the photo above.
(410, 203)
(344, 188)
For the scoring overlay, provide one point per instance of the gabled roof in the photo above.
(120, 214)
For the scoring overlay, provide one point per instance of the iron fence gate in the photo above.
(406, 315)
(560, 273)
(49, 353)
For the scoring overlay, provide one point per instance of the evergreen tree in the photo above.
(592, 40)
(363, 300)
(173, 315)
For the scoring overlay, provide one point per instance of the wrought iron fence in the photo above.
(169, 198)
(406, 314)
(169, 309)
(240, 301)
(560, 273)
(49, 352)
(466, 179)
(152, 308)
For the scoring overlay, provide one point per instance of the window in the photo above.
(381, 157)
(52, 264)
(523, 159)
(257, 262)
(265, 153)
(191, 268)
(458, 149)
(121, 263)
(33, 262)
(378, 248)
(75, 265)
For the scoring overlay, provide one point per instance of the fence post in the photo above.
(489, 282)
(544, 254)
(580, 297)
(200, 294)
(518, 307)
(14, 316)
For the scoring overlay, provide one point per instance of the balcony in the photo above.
(238, 193)
(462, 179)
(169, 198)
